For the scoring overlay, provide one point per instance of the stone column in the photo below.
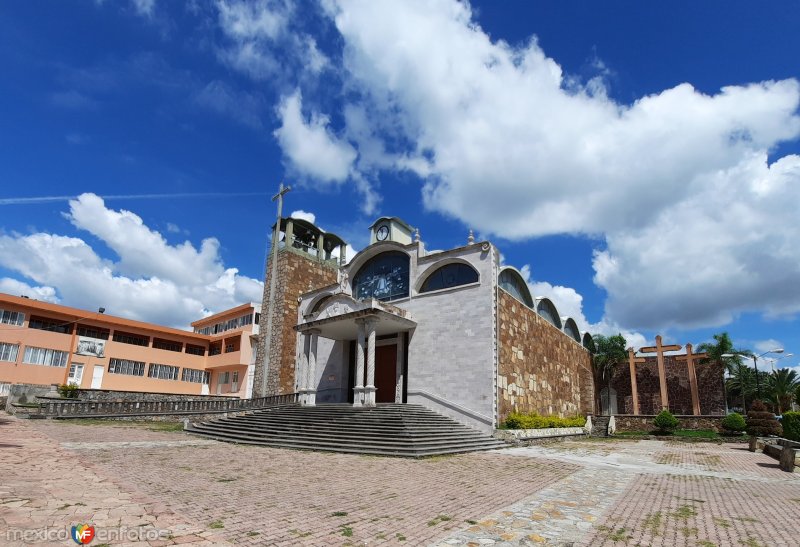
(288, 233)
(358, 390)
(320, 245)
(311, 394)
(369, 389)
(302, 370)
(398, 392)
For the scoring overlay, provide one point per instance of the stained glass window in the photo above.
(384, 277)
(451, 275)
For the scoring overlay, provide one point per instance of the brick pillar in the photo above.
(369, 389)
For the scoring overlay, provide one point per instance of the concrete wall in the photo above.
(541, 369)
(451, 351)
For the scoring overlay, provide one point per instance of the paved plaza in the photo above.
(142, 486)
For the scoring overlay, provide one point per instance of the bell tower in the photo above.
(390, 229)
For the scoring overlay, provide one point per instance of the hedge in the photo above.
(534, 421)
(791, 425)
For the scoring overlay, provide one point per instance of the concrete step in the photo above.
(391, 429)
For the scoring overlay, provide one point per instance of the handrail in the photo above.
(455, 406)
(62, 409)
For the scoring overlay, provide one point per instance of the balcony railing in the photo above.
(91, 409)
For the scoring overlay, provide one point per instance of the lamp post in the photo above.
(773, 361)
(755, 365)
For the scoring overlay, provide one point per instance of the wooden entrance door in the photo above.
(385, 373)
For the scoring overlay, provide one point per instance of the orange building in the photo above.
(43, 343)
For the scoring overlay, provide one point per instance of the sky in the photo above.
(638, 162)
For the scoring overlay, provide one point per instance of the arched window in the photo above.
(384, 277)
(512, 283)
(450, 275)
(548, 311)
(571, 329)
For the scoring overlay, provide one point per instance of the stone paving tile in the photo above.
(559, 515)
(264, 496)
(45, 490)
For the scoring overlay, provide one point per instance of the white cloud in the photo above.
(303, 215)
(699, 226)
(144, 7)
(569, 303)
(310, 146)
(151, 281)
(18, 288)
(765, 346)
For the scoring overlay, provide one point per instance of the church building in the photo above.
(455, 331)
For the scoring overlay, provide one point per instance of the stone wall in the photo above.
(645, 422)
(709, 387)
(298, 273)
(540, 368)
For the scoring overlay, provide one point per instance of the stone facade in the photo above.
(540, 369)
(645, 422)
(709, 386)
(298, 273)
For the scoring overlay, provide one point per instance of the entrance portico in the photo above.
(340, 317)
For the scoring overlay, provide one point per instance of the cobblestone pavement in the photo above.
(580, 493)
(649, 493)
(264, 496)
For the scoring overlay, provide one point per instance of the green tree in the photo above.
(610, 352)
(782, 385)
(741, 383)
(723, 353)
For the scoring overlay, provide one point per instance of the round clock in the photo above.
(382, 233)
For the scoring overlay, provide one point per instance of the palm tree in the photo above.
(722, 353)
(782, 385)
(610, 352)
(742, 383)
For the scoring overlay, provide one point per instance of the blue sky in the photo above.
(638, 161)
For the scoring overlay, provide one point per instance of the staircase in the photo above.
(600, 426)
(385, 430)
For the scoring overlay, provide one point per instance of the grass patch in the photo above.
(684, 512)
(339, 514)
(722, 523)
(686, 531)
(400, 537)
(750, 542)
(216, 525)
(253, 533)
(620, 534)
(438, 519)
(653, 523)
(746, 519)
(347, 531)
(227, 480)
(298, 533)
(470, 521)
(704, 543)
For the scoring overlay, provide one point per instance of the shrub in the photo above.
(68, 391)
(761, 422)
(516, 420)
(734, 423)
(665, 422)
(791, 425)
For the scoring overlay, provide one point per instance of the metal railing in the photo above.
(81, 409)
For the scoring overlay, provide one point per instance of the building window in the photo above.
(384, 277)
(511, 282)
(195, 350)
(224, 378)
(230, 324)
(215, 348)
(93, 332)
(126, 366)
(162, 372)
(134, 339)
(12, 317)
(451, 275)
(53, 325)
(9, 352)
(44, 356)
(195, 376)
(168, 345)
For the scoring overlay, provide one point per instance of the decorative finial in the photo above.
(471, 238)
(416, 235)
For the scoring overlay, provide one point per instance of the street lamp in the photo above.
(755, 365)
(773, 361)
